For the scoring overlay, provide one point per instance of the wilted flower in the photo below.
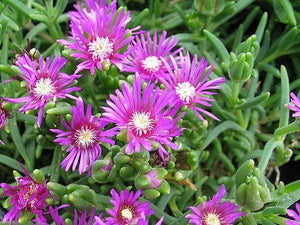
(295, 215)
(83, 136)
(145, 55)
(141, 114)
(27, 195)
(127, 209)
(214, 212)
(295, 105)
(3, 118)
(44, 83)
(189, 84)
(98, 35)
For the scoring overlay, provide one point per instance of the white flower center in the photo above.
(85, 137)
(44, 87)
(212, 219)
(185, 91)
(141, 122)
(126, 213)
(151, 64)
(101, 48)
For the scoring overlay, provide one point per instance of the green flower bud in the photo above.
(193, 158)
(164, 188)
(57, 188)
(28, 215)
(38, 176)
(209, 7)
(240, 67)
(122, 135)
(142, 182)
(127, 172)
(243, 172)
(250, 45)
(182, 174)
(151, 194)
(241, 194)
(253, 200)
(80, 203)
(121, 159)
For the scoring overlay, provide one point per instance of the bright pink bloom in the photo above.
(295, 215)
(83, 136)
(27, 195)
(127, 209)
(189, 84)
(98, 35)
(141, 114)
(146, 53)
(214, 212)
(44, 83)
(295, 105)
(3, 118)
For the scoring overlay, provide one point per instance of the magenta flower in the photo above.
(141, 114)
(27, 195)
(3, 118)
(141, 221)
(188, 83)
(83, 136)
(127, 209)
(214, 212)
(295, 215)
(98, 35)
(295, 105)
(44, 83)
(145, 55)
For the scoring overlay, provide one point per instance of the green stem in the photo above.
(267, 153)
(159, 213)
(291, 128)
(235, 93)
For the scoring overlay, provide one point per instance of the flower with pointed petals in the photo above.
(141, 114)
(189, 84)
(213, 212)
(127, 209)
(27, 195)
(295, 215)
(295, 105)
(146, 53)
(3, 118)
(44, 83)
(83, 136)
(59, 220)
(98, 35)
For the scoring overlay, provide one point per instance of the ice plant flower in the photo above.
(295, 215)
(141, 114)
(189, 84)
(295, 105)
(127, 209)
(84, 219)
(98, 35)
(27, 195)
(3, 118)
(82, 138)
(213, 212)
(146, 53)
(44, 83)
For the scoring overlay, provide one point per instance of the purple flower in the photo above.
(3, 118)
(127, 209)
(214, 212)
(145, 55)
(141, 114)
(295, 105)
(188, 83)
(141, 221)
(44, 83)
(83, 136)
(27, 195)
(295, 215)
(59, 220)
(98, 35)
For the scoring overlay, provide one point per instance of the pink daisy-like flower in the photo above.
(83, 136)
(27, 195)
(145, 55)
(188, 83)
(295, 215)
(98, 35)
(44, 83)
(3, 118)
(84, 219)
(295, 105)
(214, 212)
(127, 209)
(141, 114)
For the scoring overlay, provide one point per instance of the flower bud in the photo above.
(38, 176)
(57, 188)
(243, 171)
(121, 159)
(127, 172)
(151, 194)
(209, 7)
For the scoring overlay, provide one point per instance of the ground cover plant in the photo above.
(136, 112)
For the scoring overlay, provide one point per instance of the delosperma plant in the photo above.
(149, 112)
